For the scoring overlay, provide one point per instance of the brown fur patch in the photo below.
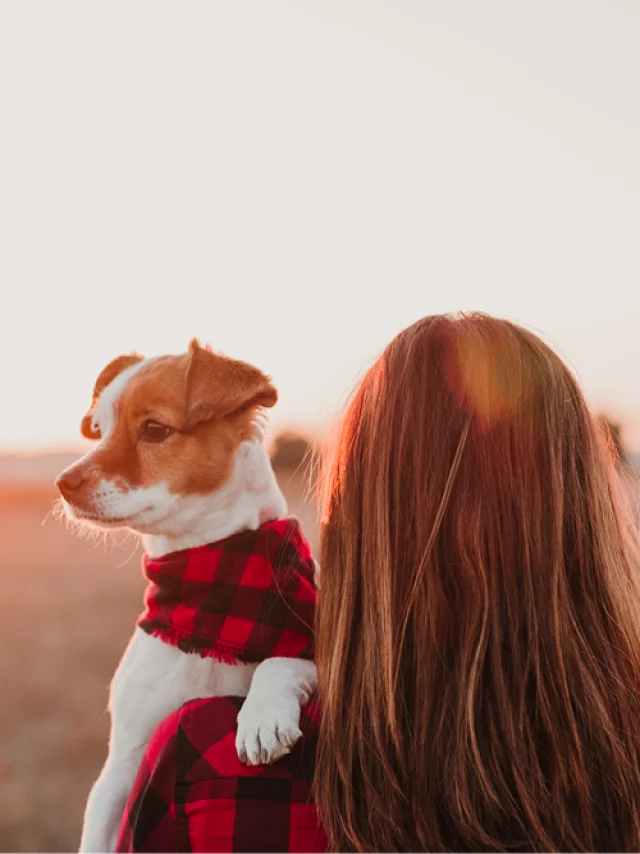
(218, 386)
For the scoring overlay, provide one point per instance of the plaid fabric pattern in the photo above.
(248, 597)
(193, 794)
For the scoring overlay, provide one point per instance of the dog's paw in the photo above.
(267, 730)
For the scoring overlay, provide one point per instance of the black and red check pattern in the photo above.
(248, 597)
(193, 794)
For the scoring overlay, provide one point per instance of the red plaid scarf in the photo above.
(248, 597)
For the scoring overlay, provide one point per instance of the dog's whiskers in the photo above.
(56, 511)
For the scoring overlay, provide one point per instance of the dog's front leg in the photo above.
(150, 683)
(107, 801)
(269, 720)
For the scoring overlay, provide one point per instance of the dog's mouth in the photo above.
(104, 519)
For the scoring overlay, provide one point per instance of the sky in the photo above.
(294, 183)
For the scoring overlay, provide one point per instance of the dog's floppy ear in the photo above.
(108, 374)
(218, 386)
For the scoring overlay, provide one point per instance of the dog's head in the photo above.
(166, 428)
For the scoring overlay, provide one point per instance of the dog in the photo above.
(180, 461)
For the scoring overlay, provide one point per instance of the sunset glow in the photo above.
(294, 189)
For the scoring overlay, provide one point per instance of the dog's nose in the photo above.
(70, 480)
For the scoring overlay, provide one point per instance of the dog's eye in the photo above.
(153, 431)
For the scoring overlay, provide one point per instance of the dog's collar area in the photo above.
(245, 598)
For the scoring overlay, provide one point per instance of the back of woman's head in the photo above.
(479, 622)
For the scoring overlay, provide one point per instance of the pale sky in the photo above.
(294, 182)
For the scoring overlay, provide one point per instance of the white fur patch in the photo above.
(269, 720)
(104, 413)
(131, 506)
(248, 499)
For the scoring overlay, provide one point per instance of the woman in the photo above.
(478, 635)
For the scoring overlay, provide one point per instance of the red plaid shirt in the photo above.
(193, 794)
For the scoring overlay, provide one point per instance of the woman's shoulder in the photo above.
(205, 732)
(204, 798)
(254, 806)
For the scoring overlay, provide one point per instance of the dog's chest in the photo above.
(155, 674)
(214, 678)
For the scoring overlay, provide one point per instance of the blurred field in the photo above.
(67, 609)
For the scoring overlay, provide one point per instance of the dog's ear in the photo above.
(108, 374)
(218, 386)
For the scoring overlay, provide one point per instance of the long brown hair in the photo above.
(478, 638)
